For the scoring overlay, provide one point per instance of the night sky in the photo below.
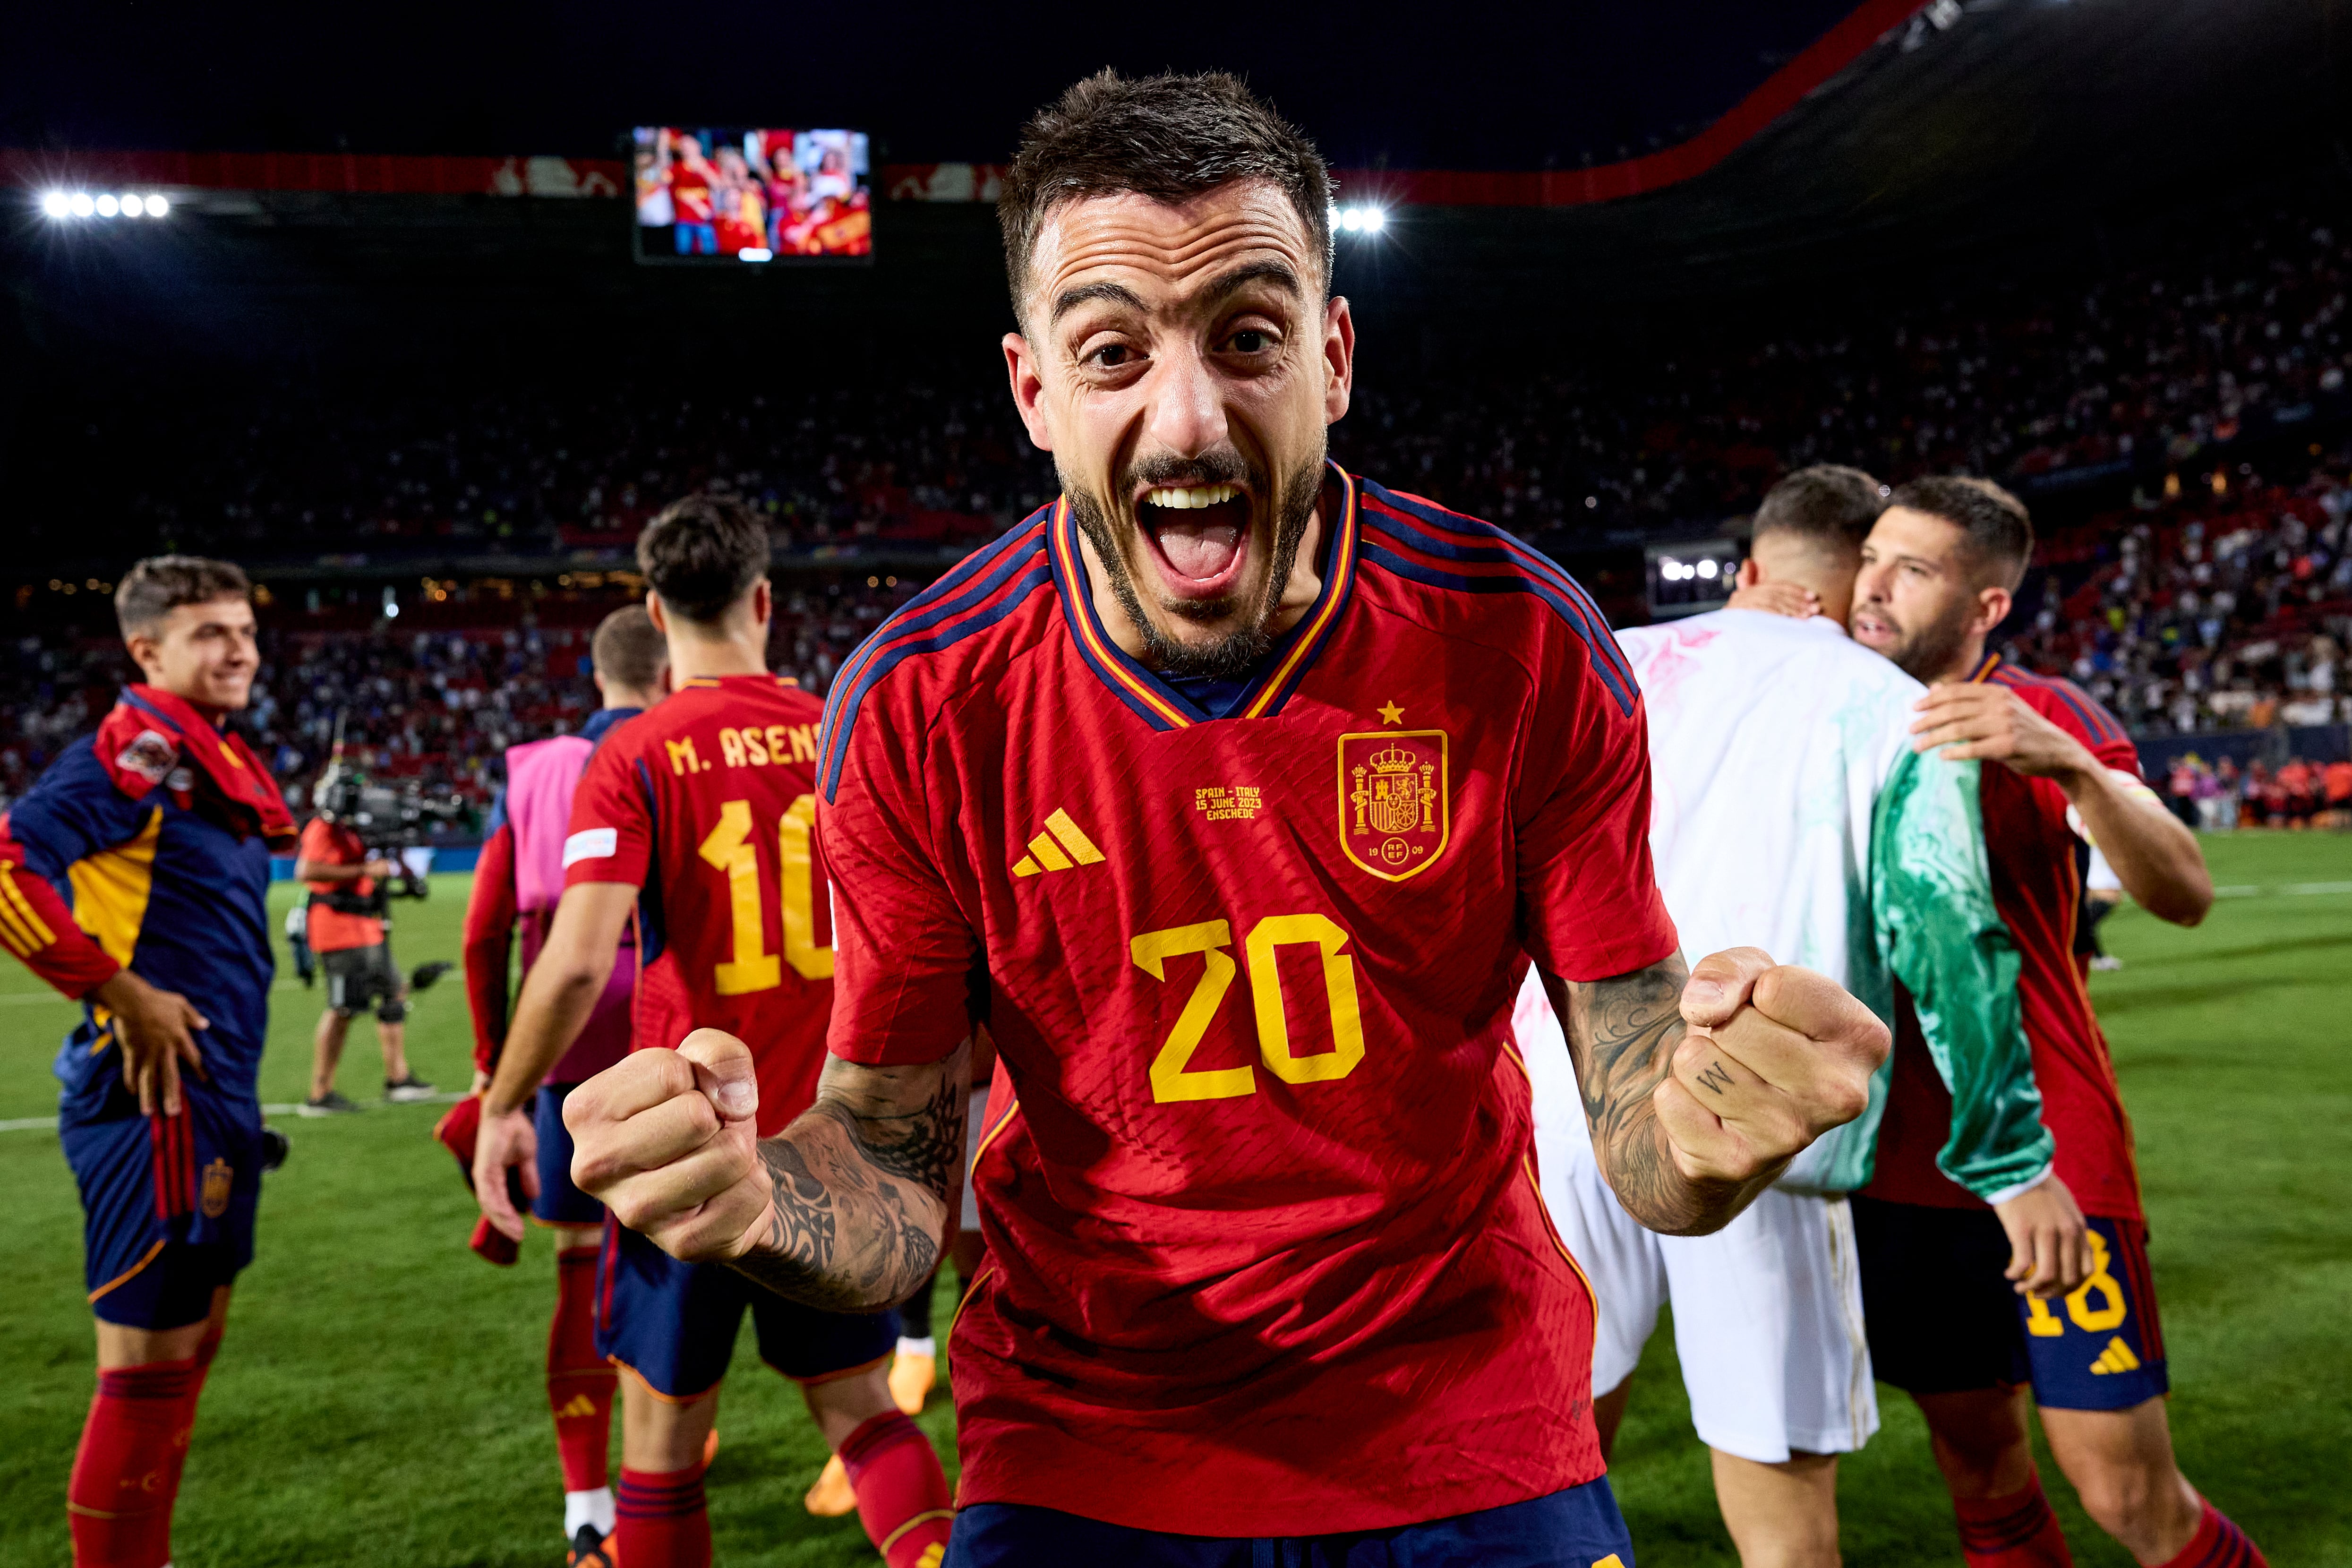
(1461, 85)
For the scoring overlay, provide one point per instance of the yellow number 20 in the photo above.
(1171, 1078)
(728, 847)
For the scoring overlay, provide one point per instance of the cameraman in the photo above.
(346, 930)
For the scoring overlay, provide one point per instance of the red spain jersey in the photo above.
(2037, 885)
(1267, 1252)
(706, 803)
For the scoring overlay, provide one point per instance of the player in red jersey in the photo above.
(1937, 573)
(1236, 794)
(697, 819)
(516, 886)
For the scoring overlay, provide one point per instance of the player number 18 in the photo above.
(728, 847)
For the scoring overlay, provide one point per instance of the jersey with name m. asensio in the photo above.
(1266, 1253)
(2037, 883)
(706, 804)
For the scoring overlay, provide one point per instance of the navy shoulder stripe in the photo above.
(1394, 524)
(982, 589)
(2088, 711)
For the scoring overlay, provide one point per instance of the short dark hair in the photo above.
(1827, 504)
(2000, 531)
(702, 553)
(628, 652)
(156, 587)
(1170, 137)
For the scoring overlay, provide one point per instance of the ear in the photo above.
(1992, 608)
(147, 653)
(1023, 369)
(658, 611)
(1750, 574)
(1339, 359)
(763, 602)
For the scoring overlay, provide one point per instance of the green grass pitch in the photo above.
(380, 1400)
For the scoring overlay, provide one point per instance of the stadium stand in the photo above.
(2217, 597)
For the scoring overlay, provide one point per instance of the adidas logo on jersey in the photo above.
(1058, 849)
(2116, 1357)
(580, 1407)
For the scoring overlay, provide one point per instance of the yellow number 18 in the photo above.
(728, 847)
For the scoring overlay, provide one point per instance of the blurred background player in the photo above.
(161, 826)
(1937, 573)
(517, 885)
(344, 928)
(697, 818)
(1789, 812)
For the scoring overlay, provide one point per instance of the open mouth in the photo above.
(1869, 628)
(1199, 536)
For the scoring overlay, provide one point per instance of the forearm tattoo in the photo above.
(1622, 1034)
(860, 1185)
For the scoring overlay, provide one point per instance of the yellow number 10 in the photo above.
(728, 847)
(1172, 1080)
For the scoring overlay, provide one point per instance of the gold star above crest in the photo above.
(1390, 713)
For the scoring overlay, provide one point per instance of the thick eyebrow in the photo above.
(1116, 293)
(1278, 273)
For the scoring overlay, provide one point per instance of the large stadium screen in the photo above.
(722, 197)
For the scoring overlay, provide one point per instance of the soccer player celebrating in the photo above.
(698, 817)
(517, 885)
(1789, 807)
(162, 824)
(1937, 578)
(1236, 792)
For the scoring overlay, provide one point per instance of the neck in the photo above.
(626, 700)
(211, 712)
(694, 654)
(1964, 662)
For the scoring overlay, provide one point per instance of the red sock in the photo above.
(661, 1519)
(2219, 1543)
(2014, 1532)
(126, 1473)
(579, 1383)
(902, 1494)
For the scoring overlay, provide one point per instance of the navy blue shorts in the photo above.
(674, 1324)
(167, 1203)
(1942, 1320)
(559, 1202)
(1578, 1528)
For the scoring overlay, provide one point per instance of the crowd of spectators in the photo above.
(2233, 328)
(2226, 604)
(439, 707)
(2220, 598)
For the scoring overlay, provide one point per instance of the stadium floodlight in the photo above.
(1374, 220)
(157, 206)
(106, 206)
(57, 204)
(1707, 569)
(81, 205)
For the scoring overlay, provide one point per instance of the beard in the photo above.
(1231, 655)
(1925, 652)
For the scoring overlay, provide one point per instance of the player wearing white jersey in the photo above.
(1791, 813)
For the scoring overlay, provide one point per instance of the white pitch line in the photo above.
(30, 1125)
(2302, 888)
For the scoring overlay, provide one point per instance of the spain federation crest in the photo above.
(1394, 805)
(219, 1178)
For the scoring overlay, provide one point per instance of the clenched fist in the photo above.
(667, 1140)
(1774, 1056)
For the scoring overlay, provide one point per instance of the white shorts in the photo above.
(1768, 1311)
